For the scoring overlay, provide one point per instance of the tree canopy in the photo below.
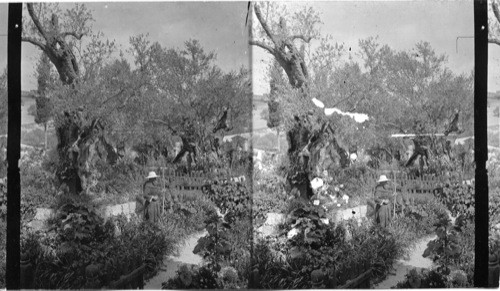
(105, 99)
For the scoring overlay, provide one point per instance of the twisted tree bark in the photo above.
(302, 138)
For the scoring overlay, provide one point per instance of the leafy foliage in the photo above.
(117, 247)
(226, 247)
(307, 243)
(232, 198)
(459, 199)
(269, 197)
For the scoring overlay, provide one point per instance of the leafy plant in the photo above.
(445, 246)
(75, 241)
(193, 277)
(232, 198)
(459, 199)
(424, 279)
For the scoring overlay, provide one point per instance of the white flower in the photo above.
(293, 232)
(325, 220)
(316, 202)
(338, 204)
(345, 198)
(316, 183)
(337, 189)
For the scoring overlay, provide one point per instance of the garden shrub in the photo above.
(193, 277)
(425, 279)
(79, 237)
(308, 244)
(453, 249)
(459, 199)
(226, 247)
(358, 181)
(269, 197)
(184, 212)
(232, 198)
(493, 167)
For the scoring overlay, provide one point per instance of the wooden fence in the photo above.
(425, 184)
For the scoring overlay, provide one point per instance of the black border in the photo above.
(481, 142)
(14, 146)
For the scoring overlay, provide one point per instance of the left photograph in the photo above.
(136, 160)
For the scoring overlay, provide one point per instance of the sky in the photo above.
(399, 24)
(219, 26)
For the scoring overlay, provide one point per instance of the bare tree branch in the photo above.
(266, 28)
(262, 45)
(494, 40)
(34, 42)
(495, 11)
(36, 21)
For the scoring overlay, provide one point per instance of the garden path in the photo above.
(402, 266)
(172, 263)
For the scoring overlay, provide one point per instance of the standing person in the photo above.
(382, 194)
(151, 193)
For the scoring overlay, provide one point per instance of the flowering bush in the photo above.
(310, 244)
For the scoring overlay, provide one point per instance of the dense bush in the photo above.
(453, 249)
(232, 198)
(184, 212)
(425, 279)
(226, 247)
(358, 181)
(458, 198)
(309, 243)
(269, 197)
(79, 237)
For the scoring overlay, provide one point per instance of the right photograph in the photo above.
(363, 140)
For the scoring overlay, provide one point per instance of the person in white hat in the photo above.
(382, 194)
(149, 198)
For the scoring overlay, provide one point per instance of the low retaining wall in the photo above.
(43, 214)
(270, 226)
(357, 212)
